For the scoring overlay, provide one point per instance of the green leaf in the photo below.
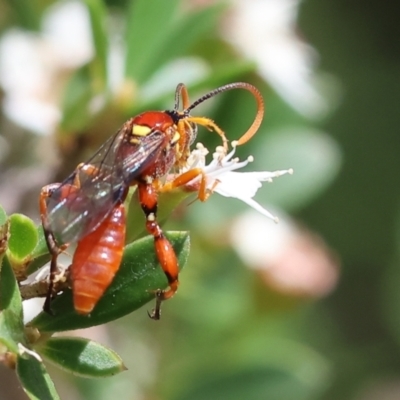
(222, 74)
(82, 357)
(314, 156)
(391, 297)
(41, 246)
(34, 378)
(37, 263)
(75, 105)
(185, 32)
(148, 49)
(40, 255)
(160, 88)
(132, 287)
(3, 216)
(10, 298)
(146, 31)
(11, 330)
(11, 321)
(251, 363)
(167, 202)
(98, 19)
(4, 233)
(23, 236)
(248, 384)
(27, 12)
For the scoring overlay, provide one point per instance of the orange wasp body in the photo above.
(87, 208)
(96, 260)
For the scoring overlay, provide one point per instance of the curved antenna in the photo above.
(237, 85)
(181, 91)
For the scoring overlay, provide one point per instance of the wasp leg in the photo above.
(165, 253)
(181, 180)
(211, 126)
(54, 248)
(52, 245)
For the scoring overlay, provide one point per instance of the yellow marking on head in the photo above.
(140, 130)
(134, 140)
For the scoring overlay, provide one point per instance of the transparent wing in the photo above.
(81, 203)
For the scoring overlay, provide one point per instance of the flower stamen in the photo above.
(221, 176)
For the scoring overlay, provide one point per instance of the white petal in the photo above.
(236, 184)
(267, 176)
(252, 203)
(243, 184)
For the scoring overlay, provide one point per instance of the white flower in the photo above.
(222, 179)
(265, 31)
(34, 66)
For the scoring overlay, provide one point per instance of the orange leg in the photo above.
(211, 126)
(185, 178)
(164, 250)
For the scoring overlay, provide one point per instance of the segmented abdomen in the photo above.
(96, 260)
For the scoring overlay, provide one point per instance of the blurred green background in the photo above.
(307, 309)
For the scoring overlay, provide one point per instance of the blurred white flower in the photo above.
(221, 178)
(32, 66)
(67, 29)
(265, 31)
(288, 259)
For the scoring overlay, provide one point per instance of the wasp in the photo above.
(87, 208)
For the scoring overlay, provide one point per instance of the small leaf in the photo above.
(40, 254)
(11, 330)
(34, 378)
(82, 357)
(23, 236)
(41, 246)
(132, 287)
(3, 216)
(4, 233)
(9, 293)
(11, 321)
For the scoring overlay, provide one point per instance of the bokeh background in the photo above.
(306, 309)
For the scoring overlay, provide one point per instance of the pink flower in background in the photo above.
(289, 259)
